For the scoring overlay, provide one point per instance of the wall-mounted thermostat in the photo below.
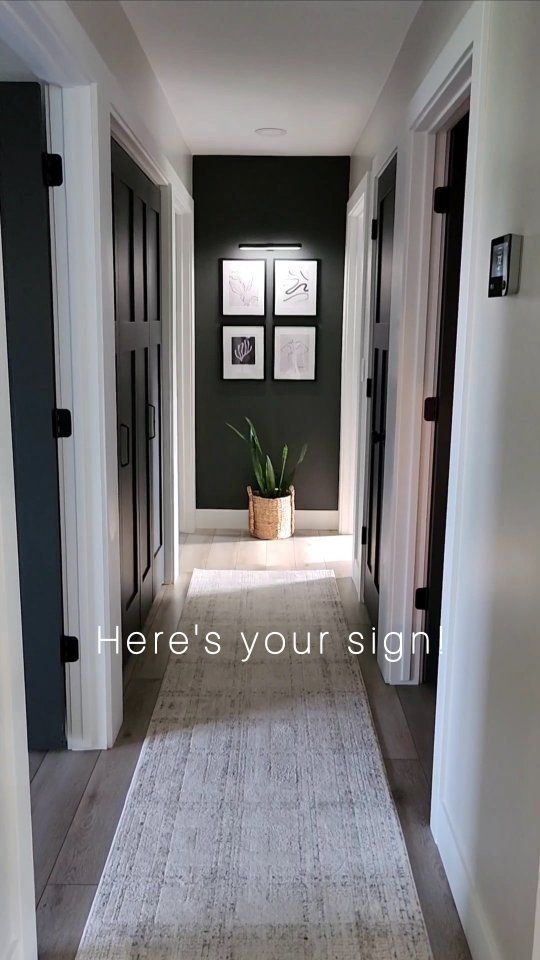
(505, 265)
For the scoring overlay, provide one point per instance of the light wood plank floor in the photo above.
(77, 798)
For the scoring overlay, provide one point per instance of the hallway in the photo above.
(269, 351)
(73, 840)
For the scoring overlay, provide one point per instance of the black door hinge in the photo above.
(374, 229)
(53, 174)
(369, 387)
(442, 199)
(421, 598)
(61, 423)
(363, 537)
(431, 409)
(69, 649)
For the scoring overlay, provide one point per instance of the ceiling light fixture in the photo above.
(270, 246)
(271, 131)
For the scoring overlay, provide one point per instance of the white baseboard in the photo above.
(466, 895)
(238, 519)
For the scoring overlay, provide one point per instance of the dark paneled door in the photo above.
(380, 332)
(24, 216)
(453, 231)
(136, 213)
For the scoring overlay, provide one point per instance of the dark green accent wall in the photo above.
(255, 199)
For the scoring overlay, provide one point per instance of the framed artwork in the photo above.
(295, 288)
(243, 285)
(243, 353)
(294, 353)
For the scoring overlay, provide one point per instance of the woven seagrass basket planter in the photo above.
(271, 518)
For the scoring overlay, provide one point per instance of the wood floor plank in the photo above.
(35, 759)
(223, 552)
(85, 849)
(194, 551)
(419, 708)
(392, 729)
(411, 794)
(308, 553)
(251, 554)
(61, 917)
(56, 792)
(280, 554)
(355, 612)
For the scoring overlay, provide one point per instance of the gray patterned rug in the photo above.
(259, 824)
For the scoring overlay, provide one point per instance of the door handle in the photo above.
(378, 437)
(124, 445)
(151, 421)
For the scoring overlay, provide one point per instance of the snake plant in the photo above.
(269, 482)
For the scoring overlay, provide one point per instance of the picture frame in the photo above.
(296, 288)
(243, 352)
(243, 288)
(295, 352)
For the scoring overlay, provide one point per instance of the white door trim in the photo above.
(352, 357)
(446, 86)
(52, 43)
(185, 363)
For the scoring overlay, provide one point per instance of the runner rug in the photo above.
(259, 824)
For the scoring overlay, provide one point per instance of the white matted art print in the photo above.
(294, 353)
(295, 288)
(243, 288)
(243, 353)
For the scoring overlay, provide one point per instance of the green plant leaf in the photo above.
(290, 475)
(257, 460)
(241, 435)
(253, 433)
(284, 455)
(258, 472)
(270, 476)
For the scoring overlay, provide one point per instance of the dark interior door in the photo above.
(136, 213)
(24, 216)
(453, 231)
(380, 333)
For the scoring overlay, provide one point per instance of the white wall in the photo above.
(113, 36)
(430, 30)
(490, 771)
(486, 815)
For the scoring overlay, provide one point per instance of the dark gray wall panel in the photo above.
(24, 215)
(255, 199)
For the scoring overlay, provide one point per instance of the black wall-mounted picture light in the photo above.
(269, 246)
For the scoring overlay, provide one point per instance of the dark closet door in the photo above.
(380, 333)
(136, 212)
(24, 216)
(453, 231)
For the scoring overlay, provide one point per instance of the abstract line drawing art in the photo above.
(295, 288)
(298, 288)
(243, 353)
(242, 350)
(243, 287)
(294, 353)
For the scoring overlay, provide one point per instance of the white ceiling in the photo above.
(315, 67)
